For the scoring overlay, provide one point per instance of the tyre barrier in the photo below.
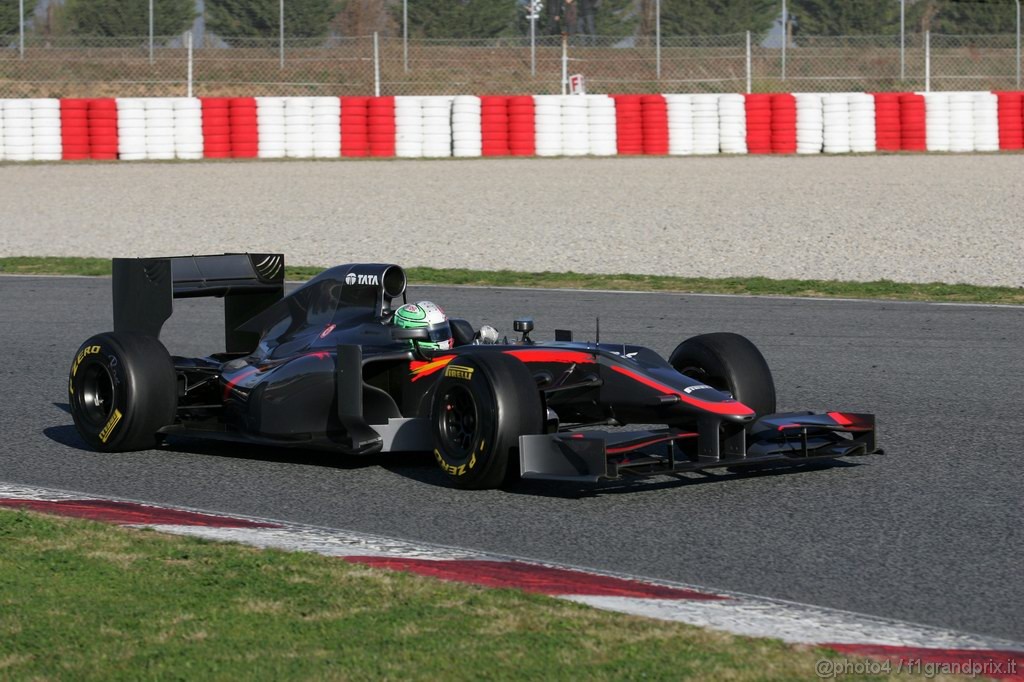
(164, 128)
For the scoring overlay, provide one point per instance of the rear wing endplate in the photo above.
(144, 290)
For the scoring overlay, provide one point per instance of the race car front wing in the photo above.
(796, 437)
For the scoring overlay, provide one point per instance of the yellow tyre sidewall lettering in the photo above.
(459, 372)
(115, 419)
(82, 355)
(452, 469)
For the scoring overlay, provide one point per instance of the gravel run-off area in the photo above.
(907, 218)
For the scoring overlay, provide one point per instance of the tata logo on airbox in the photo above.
(369, 280)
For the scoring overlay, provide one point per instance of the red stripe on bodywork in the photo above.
(618, 450)
(129, 513)
(531, 578)
(234, 381)
(990, 663)
(726, 407)
(542, 355)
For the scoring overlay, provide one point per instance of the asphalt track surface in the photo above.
(930, 532)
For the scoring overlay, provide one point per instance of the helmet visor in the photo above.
(441, 331)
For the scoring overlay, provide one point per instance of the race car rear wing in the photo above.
(144, 290)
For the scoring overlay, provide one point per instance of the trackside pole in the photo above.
(749, 64)
(565, 63)
(376, 64)
(188, 45)
(927, 61)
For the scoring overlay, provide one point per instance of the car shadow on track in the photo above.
(67, 435)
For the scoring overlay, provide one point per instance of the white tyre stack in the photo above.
(437, 126)
(547, 113)
(810, 123)
(836, 123)
(705, 124)
(18, 130)
(408, 127)
(131, 129)
(298, 127)
(986, 122)
(937, 121)
(961, 122)
(680, 124)
(327, 127)
(575, 129)
(732, 124)
(467, 138)
(862, 123)
(159, 128)
(188, 128)
(2, 101)
(601, 126)
(46, 140)
(271, 126)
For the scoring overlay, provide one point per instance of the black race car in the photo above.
(322, 368)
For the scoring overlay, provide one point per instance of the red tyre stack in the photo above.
(494, 125)
(1011, 120)
(759, 124)
(355, 140)
(216, 127)
(913, 133)
(783, 108)
(380, 126)
(654, 115)
(103, 129)
(245, 129)
(888, 135)
(521, 126)
(74, 128)
(629, 124)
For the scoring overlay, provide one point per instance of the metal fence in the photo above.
(95, 67)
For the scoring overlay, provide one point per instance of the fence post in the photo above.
(150, 31)
(533, 43)
(657, 38)
(927, 61)
(188, 45)
(749, 64)
(405, 34)
(21, 29)
(1018, 44)
(280, 38)
(565, 63)
(376, 65)
(903, 39)
(785, 37)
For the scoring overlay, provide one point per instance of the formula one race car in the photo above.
(323, 368)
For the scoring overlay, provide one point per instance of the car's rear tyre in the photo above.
(481, 405)
(731, 363)
(122, 388)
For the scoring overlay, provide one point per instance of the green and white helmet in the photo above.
(431, 316)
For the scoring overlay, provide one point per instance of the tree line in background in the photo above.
(496, 18)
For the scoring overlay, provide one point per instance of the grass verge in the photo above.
(758, 286)
(87, 601)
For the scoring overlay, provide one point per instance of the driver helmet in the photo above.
(429, 315)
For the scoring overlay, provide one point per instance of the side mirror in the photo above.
(417, 334)
(523, 325)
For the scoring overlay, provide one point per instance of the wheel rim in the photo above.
(459, 421)
(95, 394)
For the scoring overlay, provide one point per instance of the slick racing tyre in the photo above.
(481, 405)
(731, 363)
(122, 389)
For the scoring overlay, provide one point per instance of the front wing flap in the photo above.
(591, 456)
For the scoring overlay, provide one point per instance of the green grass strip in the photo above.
(758, 286)
(87, 601)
